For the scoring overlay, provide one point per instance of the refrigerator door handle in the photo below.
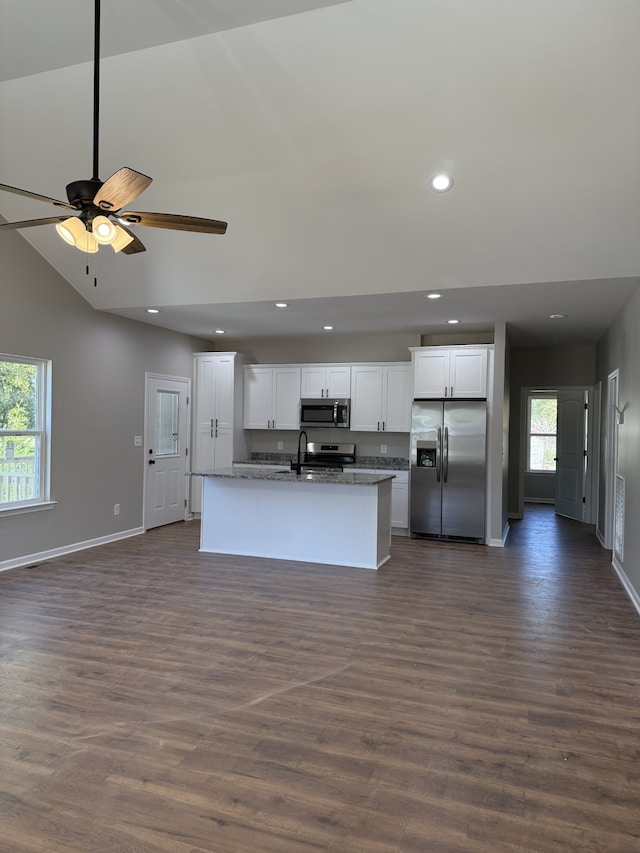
(445, 459)
(439, 455)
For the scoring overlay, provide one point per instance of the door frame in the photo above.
(593, 441)
(163, 377)
(611, 455)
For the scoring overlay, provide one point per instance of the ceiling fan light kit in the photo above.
(99, 203)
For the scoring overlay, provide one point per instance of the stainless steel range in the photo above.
(323, 456)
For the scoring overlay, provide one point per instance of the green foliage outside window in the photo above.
(18, 405)
(21, 432)
(543, 425)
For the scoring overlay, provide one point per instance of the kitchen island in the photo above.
(341, 519)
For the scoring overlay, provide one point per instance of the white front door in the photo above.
(571, 447)
(166, 444)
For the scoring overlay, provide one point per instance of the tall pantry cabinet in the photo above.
(218, 435)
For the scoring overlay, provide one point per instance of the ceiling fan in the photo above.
(101, 218)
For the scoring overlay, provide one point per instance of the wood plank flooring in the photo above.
(462, 699)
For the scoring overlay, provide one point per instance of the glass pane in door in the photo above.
(167, 408)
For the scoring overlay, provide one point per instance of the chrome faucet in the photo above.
(298, 468)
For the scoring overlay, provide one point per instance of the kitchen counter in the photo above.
(341, 519)
(346, 478)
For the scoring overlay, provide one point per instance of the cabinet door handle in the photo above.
(452, 390)
(382, 426)
(211, 427)
(446, 391)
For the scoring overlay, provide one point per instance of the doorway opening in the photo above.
(558, 460)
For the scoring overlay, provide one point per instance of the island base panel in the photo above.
(327, 523)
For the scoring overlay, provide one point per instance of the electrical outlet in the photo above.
(280, 445)
(116, 509)
(383, 448)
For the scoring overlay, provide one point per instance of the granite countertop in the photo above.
(346, 478)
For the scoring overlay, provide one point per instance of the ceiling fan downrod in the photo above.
(96, 89)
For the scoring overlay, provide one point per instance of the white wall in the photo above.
(99, 364)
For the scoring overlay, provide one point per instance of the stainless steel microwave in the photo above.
(325, 413)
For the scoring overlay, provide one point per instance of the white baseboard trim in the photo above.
(499, 543)
(626, 583)
(539, 500)
(41, 556)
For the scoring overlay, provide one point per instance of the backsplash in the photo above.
(391, 463)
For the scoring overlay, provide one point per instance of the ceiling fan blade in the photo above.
(121, 188)
(134, 247)
(29, 223)
(175, 222)
(37, 196)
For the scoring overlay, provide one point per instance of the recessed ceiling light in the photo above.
(219, 331)
(433, 295)
(453, 322)
(328, 328)
(282, 305)
(558, 316)
(441, 182)
(152, 311)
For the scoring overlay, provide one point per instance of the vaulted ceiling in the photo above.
(312, 128)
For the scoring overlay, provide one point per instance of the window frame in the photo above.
(540, 395)
(42, 431)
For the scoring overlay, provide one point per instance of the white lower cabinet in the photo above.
(399, 494)
(400, 500)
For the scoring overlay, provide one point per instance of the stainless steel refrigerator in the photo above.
(448, 452)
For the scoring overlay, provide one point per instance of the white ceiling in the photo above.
(312, 128)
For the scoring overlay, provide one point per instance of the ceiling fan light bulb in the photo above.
(122, 239)
(104, 231)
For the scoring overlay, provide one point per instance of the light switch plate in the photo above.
(137, 441)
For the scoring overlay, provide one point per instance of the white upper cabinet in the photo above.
(381, 398)
(271, 397)
(325, 381)
(397, 390)
(449, 371)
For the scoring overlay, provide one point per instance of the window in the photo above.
(542, 430)
(24, 431)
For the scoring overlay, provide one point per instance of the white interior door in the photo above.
(166, 443)
(570, 450)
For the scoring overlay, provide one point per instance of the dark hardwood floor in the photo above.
(462, 699)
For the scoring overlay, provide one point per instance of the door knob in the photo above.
(152, 462)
